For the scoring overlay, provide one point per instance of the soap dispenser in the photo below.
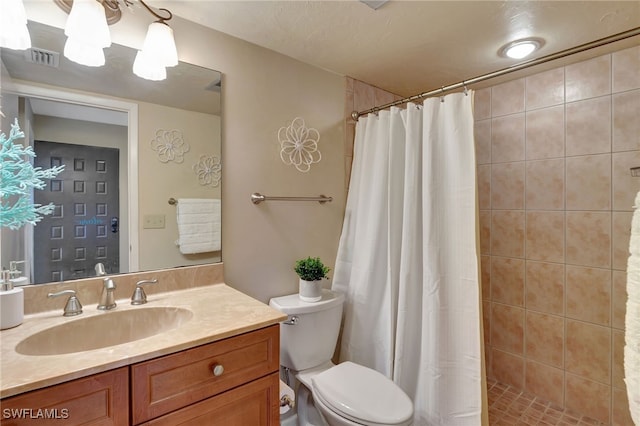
(15, 275)
(11, 302)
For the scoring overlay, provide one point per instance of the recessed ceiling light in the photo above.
(521, 48)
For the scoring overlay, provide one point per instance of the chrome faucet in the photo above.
(73, 306)
(107, 299)
(139, 297)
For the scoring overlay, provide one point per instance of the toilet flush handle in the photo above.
(291, 321)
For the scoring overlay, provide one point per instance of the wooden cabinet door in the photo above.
(98, 400)
(253, 404)
(171, 382)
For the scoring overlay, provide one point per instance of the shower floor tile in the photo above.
(511, 407)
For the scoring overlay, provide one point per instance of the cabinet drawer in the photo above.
(101, 399)
(171, 382)
(254, 404)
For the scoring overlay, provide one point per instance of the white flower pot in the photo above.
(310, 291)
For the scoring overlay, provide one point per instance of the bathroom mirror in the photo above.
(68, 104)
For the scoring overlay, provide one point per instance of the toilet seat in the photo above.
(362, 395)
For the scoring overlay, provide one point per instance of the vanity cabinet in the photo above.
(233, 381)
(230, 382)
(100, 400)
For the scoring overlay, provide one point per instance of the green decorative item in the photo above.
(311, 272)
(18, 178)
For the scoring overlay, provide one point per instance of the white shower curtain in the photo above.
(407, 257)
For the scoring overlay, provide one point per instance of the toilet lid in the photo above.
(362, 394)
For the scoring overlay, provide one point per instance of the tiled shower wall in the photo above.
(555, 191)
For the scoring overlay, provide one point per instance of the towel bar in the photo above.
(257, 198)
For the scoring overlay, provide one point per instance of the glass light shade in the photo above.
(146, 68)
(521, 48)
(87, 21)
(83, 53)
(159, 44)
(13, 25)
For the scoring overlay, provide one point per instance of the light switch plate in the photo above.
(153, 221)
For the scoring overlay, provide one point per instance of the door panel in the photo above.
(83, 229)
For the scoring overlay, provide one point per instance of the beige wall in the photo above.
(263, 91)
(157, 181)
(554, 152)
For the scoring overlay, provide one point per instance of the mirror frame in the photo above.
(96, 101)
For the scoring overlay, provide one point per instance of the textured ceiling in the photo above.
(408, 47)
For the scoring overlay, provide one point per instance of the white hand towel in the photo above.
(632, 318)
(198, 225)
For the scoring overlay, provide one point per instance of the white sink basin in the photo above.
(103, 330)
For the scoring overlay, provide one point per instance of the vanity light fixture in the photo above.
(521, 48)
(88, 34)
(14, 33)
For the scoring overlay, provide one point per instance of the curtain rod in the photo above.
(463, 84)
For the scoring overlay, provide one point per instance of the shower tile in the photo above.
(588, 351)
(589, 182)
(507, 328)
(383, 97)
(588, 126)
(626, 64)
(545, 133)
(485, 231)
(485, 267)
(619, 299)
(621, 236)
(545, 381)
(588, 79)
(620, 411)
(545, 89)
(482, 104)
(507, 233)
(625, 186)
(545, 184)
(364, 96)
(545, 287)
(350, 135)
(589, 239)
(588, 397)
(589, 294)
(507, 280)
(507, 186)
(482, 133)
(545, 236)
(617, 379)
(484, 186)
(508, 368)
(626, 126)
(544, 340)
(507, 138)
(486, 321)
(507, 98)
(349, 107)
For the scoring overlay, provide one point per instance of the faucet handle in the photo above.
(139, 297)
(73, 306)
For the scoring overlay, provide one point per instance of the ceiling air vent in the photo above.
(43, 57)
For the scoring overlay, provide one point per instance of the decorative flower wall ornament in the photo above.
(170, 145)
(299, 145)
(208, 169)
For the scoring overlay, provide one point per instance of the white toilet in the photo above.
(346, 394)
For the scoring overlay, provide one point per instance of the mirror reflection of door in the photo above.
(84, 227)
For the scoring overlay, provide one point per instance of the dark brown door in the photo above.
(84, 227)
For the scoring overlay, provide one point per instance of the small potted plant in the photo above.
(311, 272)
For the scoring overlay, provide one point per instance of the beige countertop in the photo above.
(219, 312)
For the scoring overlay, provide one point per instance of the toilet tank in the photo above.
(311, 341)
